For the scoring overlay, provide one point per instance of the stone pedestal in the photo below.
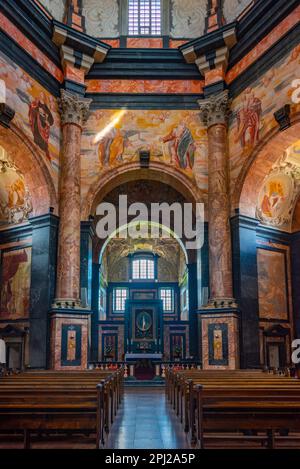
(220, 339)
(69, 340)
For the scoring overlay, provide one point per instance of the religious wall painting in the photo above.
(275, 200)
(115, 138)
(248, 120)
(252, 116)
(41, 120)
(15, 200)
(272, 284)
(15, 283)
(36, 111)
(279, 192)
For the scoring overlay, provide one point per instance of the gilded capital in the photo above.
(73, 108)
(215, 109)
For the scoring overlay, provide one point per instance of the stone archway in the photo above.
(258, 166)
(37, 176)
(131, 172)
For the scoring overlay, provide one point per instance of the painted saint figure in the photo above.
(248, 119)
(182, 146)
(40, 119)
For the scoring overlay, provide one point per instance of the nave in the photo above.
(146, 421)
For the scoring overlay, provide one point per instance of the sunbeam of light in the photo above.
(115, 119)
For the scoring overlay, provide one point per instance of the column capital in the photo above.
(215, 109)
(73, 108)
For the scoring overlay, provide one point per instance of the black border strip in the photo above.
(32, 22)
(272, 56)
(24, 60)
(260, 19)
(144, 101)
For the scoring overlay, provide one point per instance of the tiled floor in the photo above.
(146, 420)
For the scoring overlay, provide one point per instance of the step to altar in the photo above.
(133, 382)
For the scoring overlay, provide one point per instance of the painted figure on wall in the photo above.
(218, 344)
(248, 120)
(272, 284)
(273, 198)
(181, 146)
(15, 283)
(276, 199)
(15, 201)
(40, 119)
(111, 147)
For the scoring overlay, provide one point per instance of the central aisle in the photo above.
(145, 420)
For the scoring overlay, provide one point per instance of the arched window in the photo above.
(144, 18)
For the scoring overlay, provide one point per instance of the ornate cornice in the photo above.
(70, 41)
(220, 303)
(73, 109)
(215, 109)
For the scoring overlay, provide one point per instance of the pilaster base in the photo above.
(69, 339)
(220, 338)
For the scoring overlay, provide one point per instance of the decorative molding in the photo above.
(73, 109)
(6, 115)
(78, 42)
(215, 109)
(68, 303)
(220, 303)
(211, 50)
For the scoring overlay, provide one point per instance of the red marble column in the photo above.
(214, 113)
(74, 111)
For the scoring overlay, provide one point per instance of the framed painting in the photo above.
(15, 283)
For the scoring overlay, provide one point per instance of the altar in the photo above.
(144, 337)
(143, 329)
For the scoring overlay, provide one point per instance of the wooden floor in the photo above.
(146, 421)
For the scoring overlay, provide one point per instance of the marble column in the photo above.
(74, 111)
(214, 113)
(219, 319)
(70, 320)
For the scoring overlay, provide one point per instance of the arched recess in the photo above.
(30, 162)
(259, 165)
(131, 172)
(124, 227)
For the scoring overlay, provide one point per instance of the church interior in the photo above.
(149, 341)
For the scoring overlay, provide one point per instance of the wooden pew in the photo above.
(55, 402)
(231, 401)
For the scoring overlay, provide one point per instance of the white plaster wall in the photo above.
(56, 8)
(101, 18)
(188, 18)
(233, 8)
